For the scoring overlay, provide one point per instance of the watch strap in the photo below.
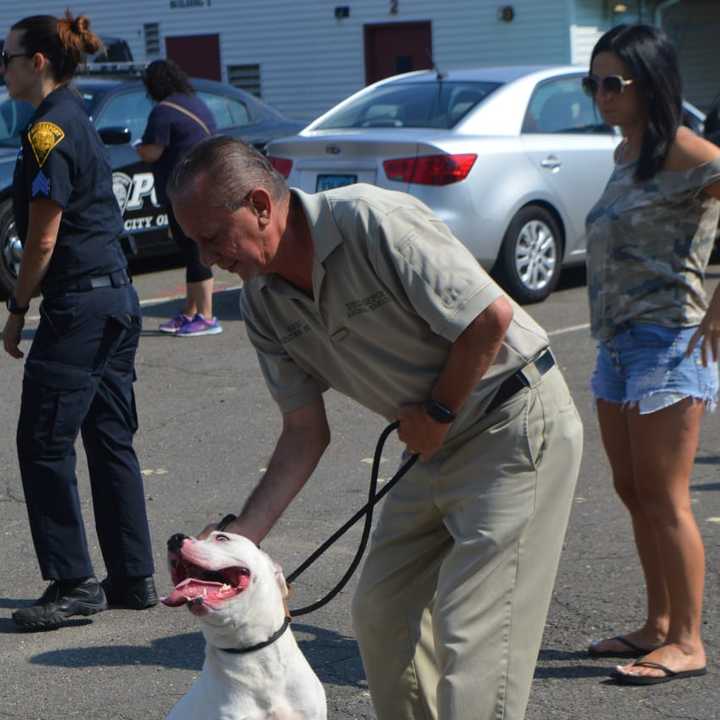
(14, 308)
(438, 412)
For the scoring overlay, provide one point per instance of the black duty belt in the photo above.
(118, 278)
(518, 381)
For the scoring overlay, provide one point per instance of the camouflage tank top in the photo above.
(648, 247)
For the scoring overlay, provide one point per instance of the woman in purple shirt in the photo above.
(177, 123)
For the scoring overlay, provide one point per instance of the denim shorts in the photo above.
(645, 366)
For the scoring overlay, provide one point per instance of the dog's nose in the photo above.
(175, 542)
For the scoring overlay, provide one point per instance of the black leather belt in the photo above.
(118, 278)
(518, 381)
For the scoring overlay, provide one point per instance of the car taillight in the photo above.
(430, 169)
(282, 165)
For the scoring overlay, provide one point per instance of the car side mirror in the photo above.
(115, 135)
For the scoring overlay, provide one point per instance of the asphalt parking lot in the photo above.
(207, 427)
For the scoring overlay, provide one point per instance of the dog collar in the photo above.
(259, 646)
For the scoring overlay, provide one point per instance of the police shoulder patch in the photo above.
(43, 137)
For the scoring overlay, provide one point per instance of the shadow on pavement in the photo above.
(8, 627)
(334, 657)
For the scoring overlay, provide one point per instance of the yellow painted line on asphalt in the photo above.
(572, 328)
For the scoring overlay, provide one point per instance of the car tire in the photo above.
(10, 249)
(531, 255)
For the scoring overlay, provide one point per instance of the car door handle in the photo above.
(550, 162)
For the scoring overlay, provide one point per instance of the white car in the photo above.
(510, 158)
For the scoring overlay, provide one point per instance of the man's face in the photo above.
(239, 241)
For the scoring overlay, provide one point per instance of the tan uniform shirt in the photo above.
(392, 290)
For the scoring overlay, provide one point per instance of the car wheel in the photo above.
(10, 249)
(531, 255)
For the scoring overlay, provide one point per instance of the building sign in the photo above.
(174, 4)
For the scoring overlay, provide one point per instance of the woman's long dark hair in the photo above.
(162, 78)
(650, 58)
(64, 41)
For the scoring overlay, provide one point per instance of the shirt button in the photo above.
(339, 335)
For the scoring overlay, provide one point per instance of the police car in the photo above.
(119, 107)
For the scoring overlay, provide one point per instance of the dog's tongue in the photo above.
(190, 589)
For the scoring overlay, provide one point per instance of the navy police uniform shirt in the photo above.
(177, 132)
(64, 160)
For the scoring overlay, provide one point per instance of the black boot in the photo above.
(62, 599)
(135, 593)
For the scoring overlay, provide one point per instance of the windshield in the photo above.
(14, 116)
(440, 104)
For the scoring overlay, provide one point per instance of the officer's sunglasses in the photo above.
(611, 84)
(6, 57)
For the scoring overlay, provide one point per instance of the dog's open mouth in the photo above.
(196, 585)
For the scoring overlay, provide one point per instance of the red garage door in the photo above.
(393, 48)
(197, 55)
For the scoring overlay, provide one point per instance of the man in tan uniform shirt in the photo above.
(364, 290)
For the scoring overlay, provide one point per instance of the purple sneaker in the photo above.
(174, 324)
(200, 326)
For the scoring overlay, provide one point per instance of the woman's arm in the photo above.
(43, 226)
(150, 153)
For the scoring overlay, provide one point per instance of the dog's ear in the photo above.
(280, 578)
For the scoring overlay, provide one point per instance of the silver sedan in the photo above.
(511, 159)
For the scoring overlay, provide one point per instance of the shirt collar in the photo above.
(58, 95)
(326, 236)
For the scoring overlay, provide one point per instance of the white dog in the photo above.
(254, 669)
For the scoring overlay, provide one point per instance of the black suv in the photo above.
(119, 107)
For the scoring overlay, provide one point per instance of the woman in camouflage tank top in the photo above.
(649, 241)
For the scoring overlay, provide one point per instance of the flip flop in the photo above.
(625, 679)
(633, 650)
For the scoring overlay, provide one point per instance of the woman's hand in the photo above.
(708, 332)
(12, 334)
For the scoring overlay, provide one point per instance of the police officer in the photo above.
(80, 369)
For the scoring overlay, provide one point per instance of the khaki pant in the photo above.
(451, 605)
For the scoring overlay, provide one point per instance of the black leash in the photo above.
(374, 498)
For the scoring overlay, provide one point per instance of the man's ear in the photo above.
(261, 204)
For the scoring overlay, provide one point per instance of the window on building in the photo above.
(246, 77)
(151, 31)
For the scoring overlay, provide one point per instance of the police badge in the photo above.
(43, 137)
(121, 184)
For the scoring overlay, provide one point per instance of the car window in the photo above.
(14, 116)
(439, 104)
(227, 111)
(127, 110)
(561, 106)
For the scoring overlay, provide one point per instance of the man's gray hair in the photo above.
(233, 168)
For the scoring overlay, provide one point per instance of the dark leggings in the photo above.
(195, 271)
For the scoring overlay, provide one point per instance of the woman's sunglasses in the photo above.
(611, 84)
(6, 57)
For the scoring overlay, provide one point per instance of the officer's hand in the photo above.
(11, 335)
(420, 433)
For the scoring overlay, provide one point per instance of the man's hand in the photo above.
(421, 434)
(12, 334)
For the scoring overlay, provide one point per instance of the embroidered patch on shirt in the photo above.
(41, 185)
(44, 136)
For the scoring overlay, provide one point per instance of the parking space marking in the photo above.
(572, 328)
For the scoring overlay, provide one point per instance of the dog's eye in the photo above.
(222, 538)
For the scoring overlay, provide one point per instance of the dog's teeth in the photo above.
(225, 588)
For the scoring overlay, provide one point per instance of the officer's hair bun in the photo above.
(76, 36)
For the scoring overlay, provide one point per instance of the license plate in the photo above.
(328, 182)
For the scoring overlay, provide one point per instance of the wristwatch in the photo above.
(14, 308)
(438, 412)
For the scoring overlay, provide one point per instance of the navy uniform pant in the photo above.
(79, 378)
